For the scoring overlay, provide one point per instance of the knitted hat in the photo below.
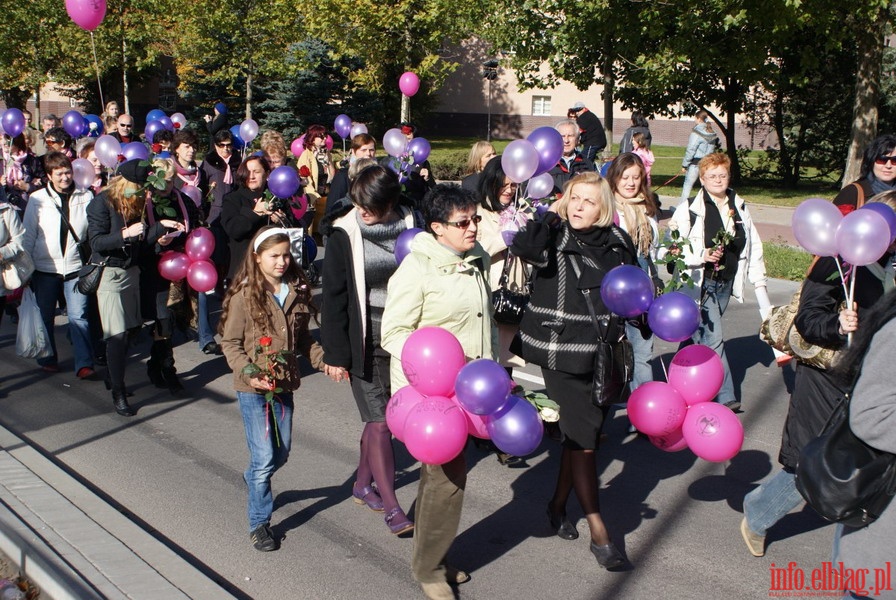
(134, 172)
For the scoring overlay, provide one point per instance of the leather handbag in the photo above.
(844, 479)
(17, 271)
(510, 305)
(89, 277)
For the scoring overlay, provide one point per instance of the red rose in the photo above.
(845, 209)
(122, 158)
(304, 171)
(177, 125)
(265, 342)
(156, 148)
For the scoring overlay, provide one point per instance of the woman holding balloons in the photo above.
(722, 253)
(571, 249)
(637, 217)
(442, 283)
(824, 319)
(120, 236)
(360, 260)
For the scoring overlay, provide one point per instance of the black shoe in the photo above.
(100, 360)
(263, 539)
(608, 556)
(212, 348)
(507, 459)
(734, 405)
(154, 364)
(120, 402)
(561, 525)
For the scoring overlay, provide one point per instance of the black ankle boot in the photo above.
(154, 364)
(608, 556)
(120, 402)
(169, 373)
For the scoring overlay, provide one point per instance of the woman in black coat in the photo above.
(822, 319)
(572, 249)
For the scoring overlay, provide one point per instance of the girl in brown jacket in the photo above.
(264, 327)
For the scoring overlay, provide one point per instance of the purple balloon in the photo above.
(107, 149)
(13, 122)
(192, 192)
(83, 173)
(202, 276)
(887, 213)
(674, 317)
(154, 114)
(200, 244)
(395, 143)
(74, 124)
(540, 186)
(482, 387)
(815, 224)
(516, 429)
(419, 149)
(284, 182)
(343, 126)
(549, 144)
(135, 150)
(863, 237)
(519, 160)
(627, 291)
(167, 123)
(151, 129)
(403, 243)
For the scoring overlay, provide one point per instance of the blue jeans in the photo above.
(265, 454)
(767, 504)
(641, 348)
(690, 178)
(590, 152)
(47, 288)
(716, 295)
(206, 333)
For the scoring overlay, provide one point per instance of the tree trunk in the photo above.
(785, 165)
(124, 63)
(249, 92)
(732, 103)
(864, 114)
(405, 109)
(609, 84)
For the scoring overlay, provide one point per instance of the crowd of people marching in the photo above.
(477, 237)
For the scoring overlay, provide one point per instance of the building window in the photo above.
(541, 106)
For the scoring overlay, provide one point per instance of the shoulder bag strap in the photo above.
(602, 332)
(69, 225)
(860, 194)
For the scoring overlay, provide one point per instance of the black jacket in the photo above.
(104, 227)
(214, 169)
(557, 331)
(815, 393)
(240, 223)
(592, 130)
(562, 174)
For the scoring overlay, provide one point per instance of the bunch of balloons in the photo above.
(679, 414)
(193, 263)
(860, 238)
(157, 120)
(628, 291)
(531, 159)
(447, 400)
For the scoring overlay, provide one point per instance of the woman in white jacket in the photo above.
(55, 221)
(11, 232)
(723, 252)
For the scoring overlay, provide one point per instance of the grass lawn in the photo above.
(786, 262)
(449, 156)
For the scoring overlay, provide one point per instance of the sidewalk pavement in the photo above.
(72, 544)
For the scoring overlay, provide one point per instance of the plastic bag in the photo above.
(31, 339)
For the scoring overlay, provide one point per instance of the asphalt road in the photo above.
(177, 468)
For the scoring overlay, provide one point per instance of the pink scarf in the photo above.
(14, 171)
(228, 176)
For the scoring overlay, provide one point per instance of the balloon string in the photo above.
(662, 364)
(843, 278)
(96, 65)
(852, 293)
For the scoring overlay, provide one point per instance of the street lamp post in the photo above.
(490, 73)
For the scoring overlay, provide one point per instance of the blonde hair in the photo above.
(888, 198)
(604, 197)
(358, 166)
(474, 161)
(127, 198)
(272, 143)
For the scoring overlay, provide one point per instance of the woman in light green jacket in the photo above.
(443, 282)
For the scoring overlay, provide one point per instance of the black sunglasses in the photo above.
(464, 223)
(882, 160)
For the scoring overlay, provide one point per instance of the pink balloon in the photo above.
(328, 142)
(656, 409)
(299, 206)
(713, 432)
(409, 83)
(696, 372)
(477, 425)
(297, 146)
(435, 431)
(174, 266)
(398, 408)
(431, 359)
(193, 193)
(202, 276)
(87, 14)
(862, 237)
(672, 442)
(814, 224)
(200, 244)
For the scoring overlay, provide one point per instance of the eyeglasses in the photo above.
(723, 177)
(224, 145)
(125, 124)
(882, 160)
(464, 223)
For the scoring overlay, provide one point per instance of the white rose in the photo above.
(549, 415)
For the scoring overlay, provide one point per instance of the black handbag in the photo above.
(614, 361)
(510, 305)
(89, 277)
(844, 479)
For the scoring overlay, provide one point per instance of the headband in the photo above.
(266, 234)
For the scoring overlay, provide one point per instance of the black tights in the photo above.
(116, 357)
(378, 462)
(578, 469)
